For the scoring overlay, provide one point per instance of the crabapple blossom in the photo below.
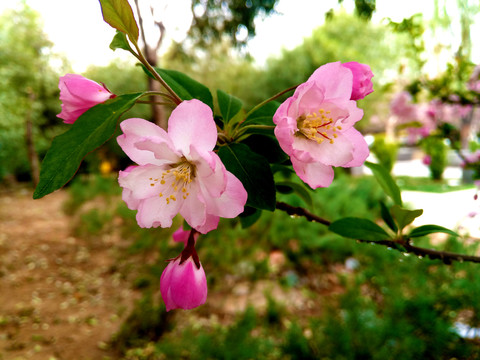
(362, 79)
(178, 172)
(315, 125)
(183, 284)
(78, 94)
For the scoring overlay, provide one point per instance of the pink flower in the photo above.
(181, 235)
(474, 81)
(178, 172)
(78, 94)
(401, 106)
(315, 126)
(183, 284)
(362, 79)
(427, 160)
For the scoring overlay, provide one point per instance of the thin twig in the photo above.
(446, 256)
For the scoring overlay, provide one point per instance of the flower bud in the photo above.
(78, 94)
(362, 79)
(183, 285)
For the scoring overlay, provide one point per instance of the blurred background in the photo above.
(78, 277)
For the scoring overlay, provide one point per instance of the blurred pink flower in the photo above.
(402, 106)
(315, 126)
(362, 79)
(427, 160)
(474, 81)
(183, 284)
(78, 94)
(178, 172)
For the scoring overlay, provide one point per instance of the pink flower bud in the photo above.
(362, 79)
(183, 285)
(78, 94)
(181, 235)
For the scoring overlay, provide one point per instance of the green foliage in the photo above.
(28, 89)
(435, 147)
(357, 228)
(386, 182)
(385, 151)
(253, 171)
(85, 135)
(119, 15)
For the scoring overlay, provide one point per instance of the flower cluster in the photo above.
(177, 171)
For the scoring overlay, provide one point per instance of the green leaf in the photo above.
(357, 228)
(266, 146)
(119, 15)
(229, 105)
(300, 190)
(253, 171)
(263, 115)
(387, 217)
(403, 216)
(430, 229)
(386, 182)
(89, 131)
(249, 216)
(186, 87)
(120, 42)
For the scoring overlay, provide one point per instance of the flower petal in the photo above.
(336, 154)
(141, 181)
(313, 173)
(188, 285)
(360, 147)
(334, 79)
(155, 212)
(191, 123)
(136, 130)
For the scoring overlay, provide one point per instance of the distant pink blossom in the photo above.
(474, 81)
(178, 172)
(315, 126)
(183, 284)
(362, 79)
(427, 160)
(402, 106)
(78, 94)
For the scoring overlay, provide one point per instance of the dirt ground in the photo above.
(61, 297)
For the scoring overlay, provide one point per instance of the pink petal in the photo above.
(231, 203)
(211, 223)
(188, 287)
(336, 154)
(155, 212)
(191, 123)
(193, 207)
(139, 183)
(313, 173)
(334, 79)
(136, 130)
(360, 147)
(79, 90)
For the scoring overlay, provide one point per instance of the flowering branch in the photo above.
(446, 256)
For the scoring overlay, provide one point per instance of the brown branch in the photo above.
(401, 244)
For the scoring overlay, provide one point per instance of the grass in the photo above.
(390, 306)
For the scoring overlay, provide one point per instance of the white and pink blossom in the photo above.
(178, 172)
(315, 126)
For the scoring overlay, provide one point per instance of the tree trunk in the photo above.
(32, 153)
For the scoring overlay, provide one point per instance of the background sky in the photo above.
(78, 30)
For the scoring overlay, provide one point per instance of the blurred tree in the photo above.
(28, 92)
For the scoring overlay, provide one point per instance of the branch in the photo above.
(445, 256)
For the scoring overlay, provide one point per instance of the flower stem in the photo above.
(270, 99)
(156, 75)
